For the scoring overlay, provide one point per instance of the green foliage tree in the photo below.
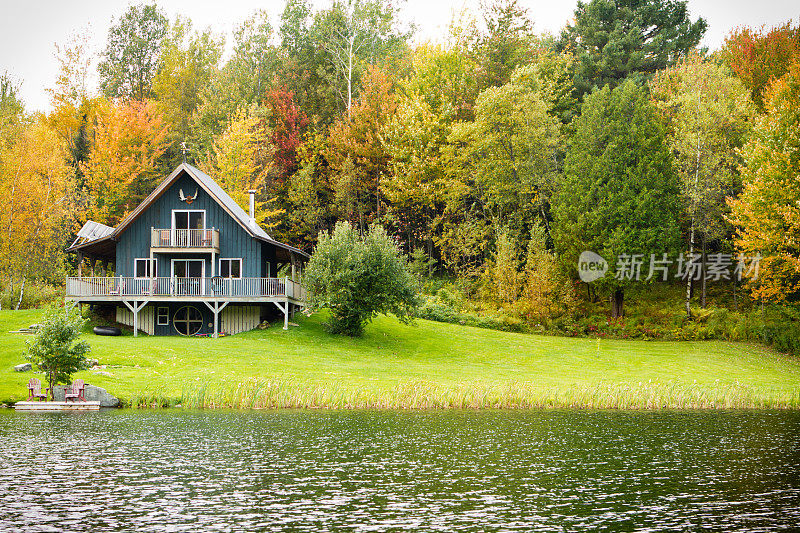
(619, 193)
(614, 39)
(187, 64)
(707, 113)
(54, 349)
(358, 276)
(509, 154)
(132, 52)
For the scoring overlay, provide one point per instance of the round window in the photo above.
(188, 320)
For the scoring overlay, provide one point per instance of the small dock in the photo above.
(57, 406)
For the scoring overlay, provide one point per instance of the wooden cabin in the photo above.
(187, 261)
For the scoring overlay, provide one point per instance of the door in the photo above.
(187, 226)
(188, 276)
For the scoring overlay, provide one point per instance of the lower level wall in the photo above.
(233, 319)
(146, 318)
(239, 318)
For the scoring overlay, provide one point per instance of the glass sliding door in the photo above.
(187, 227)
(188, 276)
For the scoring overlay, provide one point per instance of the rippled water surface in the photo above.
(385, 470)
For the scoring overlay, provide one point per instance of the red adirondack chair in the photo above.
(35, 390)
(75, 391)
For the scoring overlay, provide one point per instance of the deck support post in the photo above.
(135, 307)
(215, 308)
(69, 305)
(285, 310)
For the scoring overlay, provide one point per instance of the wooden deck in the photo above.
(57, 406)
(118, 289)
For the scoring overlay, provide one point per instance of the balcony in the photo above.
(96, 289)
(184, 240)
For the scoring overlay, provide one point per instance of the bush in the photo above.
(358, 277)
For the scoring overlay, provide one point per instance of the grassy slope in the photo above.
(438, 357)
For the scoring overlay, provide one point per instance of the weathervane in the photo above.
(183, 150)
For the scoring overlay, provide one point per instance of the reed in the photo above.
(278, 393)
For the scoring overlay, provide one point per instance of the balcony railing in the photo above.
(184, 238)
(181, 288)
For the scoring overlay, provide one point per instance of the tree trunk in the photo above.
(616, 303)
(689, 277)
(703, 273)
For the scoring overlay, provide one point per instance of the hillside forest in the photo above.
(494, 157)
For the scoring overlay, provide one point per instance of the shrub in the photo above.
(358, 277)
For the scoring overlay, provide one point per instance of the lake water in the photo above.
(178, 470)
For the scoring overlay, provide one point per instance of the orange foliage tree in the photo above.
(768, 211)
(761, 56)
(356, 150)
(122, 167)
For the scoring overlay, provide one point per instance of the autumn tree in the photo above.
(356, 34)
(242, 158)
(508, 154)
(356, 151)
(122, 168)
(37, 191)
(506, 42)
(131, 56)
(760, 56)
(615, 39)
(707, 113)
(619, 194)
(767, 213)
(288, 124)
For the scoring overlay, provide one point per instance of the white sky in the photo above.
(29, 29)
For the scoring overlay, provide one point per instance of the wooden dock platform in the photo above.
(57, 406)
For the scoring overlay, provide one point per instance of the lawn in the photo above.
(428, 364)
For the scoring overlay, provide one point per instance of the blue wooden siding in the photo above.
(234, 241)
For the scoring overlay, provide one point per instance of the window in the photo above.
(163, 316)
(188, 320)
(230, 268)
(144, 268)
(189, 219)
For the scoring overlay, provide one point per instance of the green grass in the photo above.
(430, 364)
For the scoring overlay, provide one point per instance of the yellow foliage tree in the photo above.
(37, 191)
(242, 157)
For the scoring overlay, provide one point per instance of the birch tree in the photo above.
(707, 113)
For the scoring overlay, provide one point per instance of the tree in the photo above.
(357, 33)
(242, 158)
(619, 194)
(761, 56)
(358, 277)
(37, 190)
(54, 351)
(614, 39)
(708, 113)
(356, 150)
(506, 43)
(510, 153)
(187, 64)
(122, 166)
(767, 213)
(132, 52)
(288, 123)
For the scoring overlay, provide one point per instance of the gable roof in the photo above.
(213, 189)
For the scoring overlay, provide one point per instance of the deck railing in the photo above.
(123, 287)
(184, 238)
